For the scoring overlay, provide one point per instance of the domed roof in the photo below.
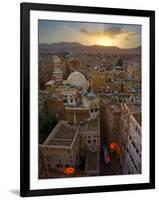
(76, 79)
(56, 59)
(91, 94)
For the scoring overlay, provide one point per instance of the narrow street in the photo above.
(106, 169)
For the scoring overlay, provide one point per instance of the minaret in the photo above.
(58, 76)
(58, 73)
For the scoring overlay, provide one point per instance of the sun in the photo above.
(104, 41)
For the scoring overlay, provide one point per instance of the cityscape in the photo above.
(89, 99)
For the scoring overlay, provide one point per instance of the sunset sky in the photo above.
(121, 35)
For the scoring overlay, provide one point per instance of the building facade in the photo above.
(131, 139)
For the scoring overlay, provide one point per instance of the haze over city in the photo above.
(120, 35)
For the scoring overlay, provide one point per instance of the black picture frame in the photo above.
(25, 9)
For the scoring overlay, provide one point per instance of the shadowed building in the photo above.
(131, 138)
(110, 112)
(120, 125)
(60, 149)
(92, 163)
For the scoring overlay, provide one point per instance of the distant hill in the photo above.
(76, 47)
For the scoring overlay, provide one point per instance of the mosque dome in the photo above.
(56, 59)
(91, 94)
(76, 79)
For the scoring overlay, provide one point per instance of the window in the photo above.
(65, 100)
(89, 141)
(133, 144)
(57, 165)
(137, 151)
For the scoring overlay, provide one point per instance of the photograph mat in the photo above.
(36, 183)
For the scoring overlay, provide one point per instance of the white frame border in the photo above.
(36, 183)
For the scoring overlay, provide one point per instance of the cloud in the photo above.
(111, 32)
(134, 33)
(127, 38)
(85, 31)
(114, 31)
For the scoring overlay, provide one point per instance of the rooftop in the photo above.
(65, 132)
(50, 82)
(120, 98)
(91, 125)
(90, 95)
(76, 79)
(112, 101)
(134, 108)
(62, 135)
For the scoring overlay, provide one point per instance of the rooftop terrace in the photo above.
(91, 125)
(62, 135)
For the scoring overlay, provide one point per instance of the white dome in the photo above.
(56, 59)
(76, 79)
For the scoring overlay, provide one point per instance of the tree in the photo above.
(46, 125)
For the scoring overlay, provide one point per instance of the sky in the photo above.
(105, 34)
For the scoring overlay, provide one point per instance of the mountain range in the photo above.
(76, 47)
